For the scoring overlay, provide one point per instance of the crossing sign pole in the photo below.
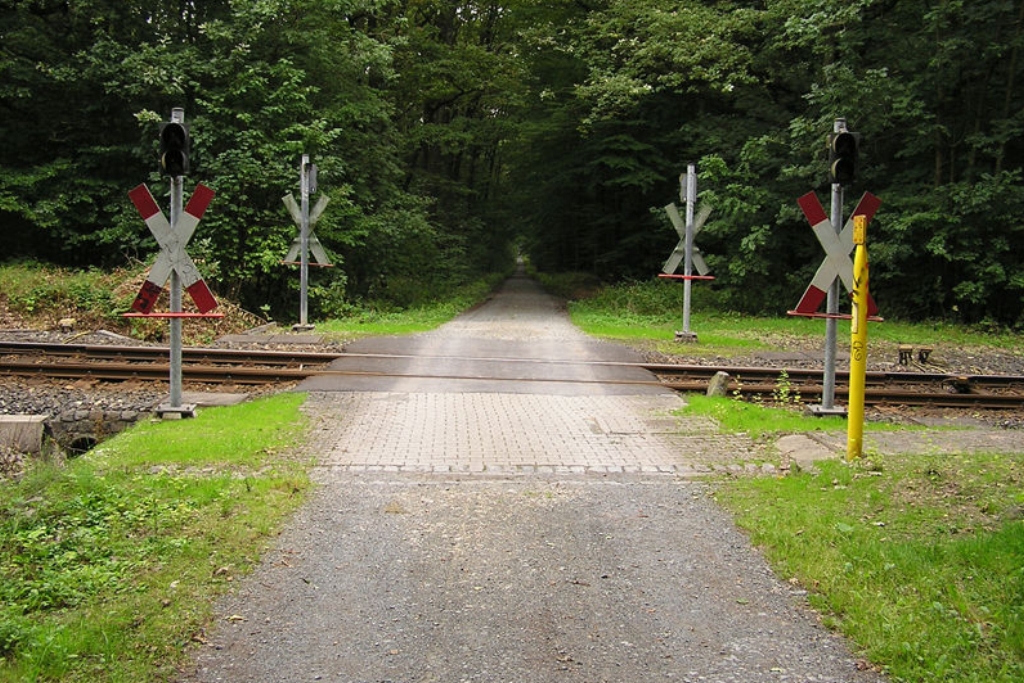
(828, 393)
(173, 263)
(177, 181)
(837, 241)
(306, 243)
(686, 252)
(175, 296)
(304, 246)
(691, 200)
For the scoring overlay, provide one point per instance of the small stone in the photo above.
(719, 384)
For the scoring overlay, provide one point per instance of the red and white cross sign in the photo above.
(837, 247)
(172, 241)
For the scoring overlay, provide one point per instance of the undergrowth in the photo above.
(109, 565)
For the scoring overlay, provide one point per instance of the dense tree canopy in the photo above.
(445, 132)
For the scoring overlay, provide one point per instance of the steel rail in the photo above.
(119, 372)
(154, 353)
(252, 367)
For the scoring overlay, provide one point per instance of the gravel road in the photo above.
(388, 579)
(397, 576)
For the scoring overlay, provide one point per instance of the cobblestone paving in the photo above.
(513, 433)
(494, 392)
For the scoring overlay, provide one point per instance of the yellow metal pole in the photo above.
(858, 340)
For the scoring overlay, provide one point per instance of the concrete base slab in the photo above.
(197, 399)
(804, 451)
(22, 433)
(822, 411)
(169, 412)
(209, 399)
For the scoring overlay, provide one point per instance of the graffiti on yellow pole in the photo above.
(858, 340)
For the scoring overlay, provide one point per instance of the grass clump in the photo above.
(756, 420)
(109, 565)
(376, 319)
(919, 559)
(651, 311)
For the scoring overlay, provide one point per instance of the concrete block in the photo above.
(804, 451)
(22, 433)
(719, 384)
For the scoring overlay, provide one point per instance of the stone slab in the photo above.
(22, 433)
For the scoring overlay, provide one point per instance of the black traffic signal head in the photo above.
(842, 157)
(174, 149)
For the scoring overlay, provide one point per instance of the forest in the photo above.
(451, 136)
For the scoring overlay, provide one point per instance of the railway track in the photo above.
(941, 390)
(152, 363)
(254, 367)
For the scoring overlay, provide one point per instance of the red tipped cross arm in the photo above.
(172, 241)
(837, 247)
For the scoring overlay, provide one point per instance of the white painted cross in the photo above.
(679, 253)
(315, 248)
(172, 241)
(837, 247)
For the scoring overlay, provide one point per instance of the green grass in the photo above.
(758, 421)
(49, 293)
(652, 312)
(920, 559)
(109, 565)
(371, 321)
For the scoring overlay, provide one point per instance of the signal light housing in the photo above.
(175, 146)
(842, 157)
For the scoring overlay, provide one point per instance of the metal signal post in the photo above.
(828, 393)
(173, 263)
(176, 172)
(306, 243)
(837, 241)
(686, 252)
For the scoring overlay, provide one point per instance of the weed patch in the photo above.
(918, 559)
(109, 565)
(381, 319)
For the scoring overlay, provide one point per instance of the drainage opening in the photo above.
(81, 445)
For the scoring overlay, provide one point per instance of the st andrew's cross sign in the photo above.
(837, 248)
(173, 257)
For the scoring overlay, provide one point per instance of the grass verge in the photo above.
(652, 311)
(919, 559)
(109, 565)
(760, 421)
(371, 321)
